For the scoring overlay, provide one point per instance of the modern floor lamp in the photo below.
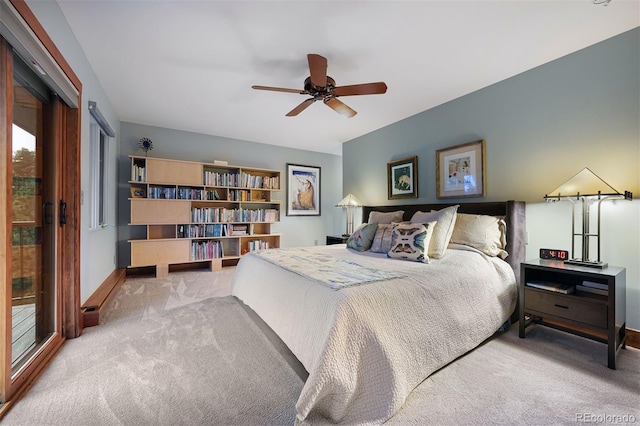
(588, 189)
(350, 202)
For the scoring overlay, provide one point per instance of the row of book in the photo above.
(241, 180)
(221, 214)
(258, 245)
(566, 288)
(214, 230)
(138, 173)
(238, 195)
(203, 250)
(171, 193)
(264, 182)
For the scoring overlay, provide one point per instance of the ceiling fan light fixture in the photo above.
(329, 92)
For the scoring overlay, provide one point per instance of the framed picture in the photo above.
(303, 190)
(460, 171)
(402, 178)
(138, 192)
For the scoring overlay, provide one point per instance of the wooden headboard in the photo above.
(513, 211)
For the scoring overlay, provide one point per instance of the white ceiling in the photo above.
(190, 65)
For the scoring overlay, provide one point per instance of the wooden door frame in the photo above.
(67, 135)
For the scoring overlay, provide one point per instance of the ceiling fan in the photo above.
(323, 88)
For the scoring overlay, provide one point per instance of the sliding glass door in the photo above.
(39, 201)
(33, 224)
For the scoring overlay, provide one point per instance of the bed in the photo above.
(367, 344)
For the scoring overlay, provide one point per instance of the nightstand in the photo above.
(595, 310)
(332, 239)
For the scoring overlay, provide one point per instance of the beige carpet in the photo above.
(181, 351)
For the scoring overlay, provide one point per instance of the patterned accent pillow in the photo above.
(411, 241)
(362, 237)
(385, 217)
(446, 219)
(382, 239)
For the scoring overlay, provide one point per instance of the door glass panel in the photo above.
(33, 229)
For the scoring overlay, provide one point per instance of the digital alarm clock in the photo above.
(554, 254)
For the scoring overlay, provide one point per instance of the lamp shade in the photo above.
(349, 201)
(584, 184)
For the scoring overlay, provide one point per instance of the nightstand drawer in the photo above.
(590, 312)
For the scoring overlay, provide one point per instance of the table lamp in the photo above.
(350, 202)
(587, 189)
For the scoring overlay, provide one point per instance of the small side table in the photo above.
(595, 314)
(333, 239)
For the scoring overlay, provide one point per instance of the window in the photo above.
(100, 131)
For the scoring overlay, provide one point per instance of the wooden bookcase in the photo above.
(200, 212)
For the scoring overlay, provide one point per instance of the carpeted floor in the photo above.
(181, 351)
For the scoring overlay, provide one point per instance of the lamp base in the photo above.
(588, 263)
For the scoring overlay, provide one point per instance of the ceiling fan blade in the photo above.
(361, 89)
(279, 89)
(340, 107)
(297, 110)
(318, 69)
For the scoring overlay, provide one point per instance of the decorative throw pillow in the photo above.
(385, 217)
(446, 219)
(410, 241)
(486, 233)
(382, 239)
(362, 237)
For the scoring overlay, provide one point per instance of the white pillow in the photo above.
(446, 219)
(486, 233)
(385, 217)
(411, 241)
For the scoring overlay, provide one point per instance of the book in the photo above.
(239, 230)
(592, 290)
(551, 286)
(595, 285)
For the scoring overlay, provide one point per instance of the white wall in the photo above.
(98, 247)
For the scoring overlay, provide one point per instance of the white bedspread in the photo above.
(367, 347)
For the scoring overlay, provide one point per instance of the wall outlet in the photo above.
(315, 242)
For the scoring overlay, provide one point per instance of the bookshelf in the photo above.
(200, 212)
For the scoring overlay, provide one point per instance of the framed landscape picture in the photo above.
(303, 190)
(460, 171)
(402, 178)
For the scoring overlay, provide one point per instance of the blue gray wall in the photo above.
(541, 127)
(180, 145)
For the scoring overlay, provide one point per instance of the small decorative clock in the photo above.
(554, 254)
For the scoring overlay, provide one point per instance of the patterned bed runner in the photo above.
(334, 273)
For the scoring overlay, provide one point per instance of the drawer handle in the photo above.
(561, 306)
